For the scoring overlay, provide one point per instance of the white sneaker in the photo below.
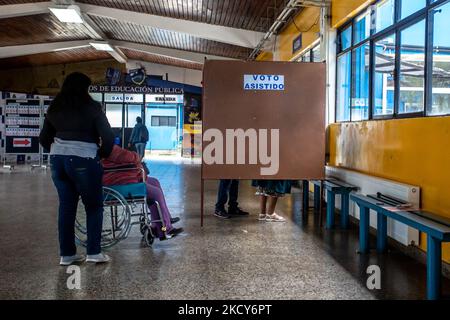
(275, 218)
(262, 217)
(68, 260)
(98, 258)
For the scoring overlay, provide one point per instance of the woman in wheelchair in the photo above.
(121, 159)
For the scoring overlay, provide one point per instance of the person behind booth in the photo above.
(228, 192)
(139, 137)
(72, 130)
(120, 158)
(270, 191)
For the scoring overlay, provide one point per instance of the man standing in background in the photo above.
(139, 137)
(228, 192)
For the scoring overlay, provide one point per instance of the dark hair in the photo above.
(138, 119)
(74, 93)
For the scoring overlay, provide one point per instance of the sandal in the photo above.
(275, 218)
(262, 217)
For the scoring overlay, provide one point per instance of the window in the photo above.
(384, 14)
(133, 111)
(441, 61)
(360, 81)
(316, 55)
(164, 121)
(362, 27)
(411, 6)
(114, 115)
(393, 60)
(412, 69)
(307, 57)
(343, 87)
(383, 83)
(345, 39)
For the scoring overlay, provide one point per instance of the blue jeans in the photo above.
(140, 148)
(228, 191)
(76, 177)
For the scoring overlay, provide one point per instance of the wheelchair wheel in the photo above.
(116, 219)
(148, 237)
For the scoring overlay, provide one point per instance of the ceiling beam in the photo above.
(24, 9)
(28, 49)
(168, 52)
(234, 36)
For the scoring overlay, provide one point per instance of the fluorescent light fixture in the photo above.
(102, 46)
(69, 14)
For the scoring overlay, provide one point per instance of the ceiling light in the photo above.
(69, 14)
(102, 46)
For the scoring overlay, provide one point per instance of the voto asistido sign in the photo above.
(264, 82)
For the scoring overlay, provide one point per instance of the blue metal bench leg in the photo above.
(381, 232)
(434, 252)
(364, 221)
(330, 209)
(345, 202)
(305, 195)
(317, 197)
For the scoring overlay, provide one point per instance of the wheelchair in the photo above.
(123, 207)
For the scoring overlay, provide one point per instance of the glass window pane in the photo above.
(360, 80)
(412, 71)
(441, 61)
(384, 14)
(172, 121)
(307, 57)
(114, 115)
(316, 54)
(411, 6)
(134, 111)
(155, 121)
(163, 121)
(362, 27)
(343, 87)
(345, 38)
(383, 83)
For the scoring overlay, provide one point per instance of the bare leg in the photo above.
(272, 205)
(262, 204)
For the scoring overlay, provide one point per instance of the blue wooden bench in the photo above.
(333, 188)
(437, 232)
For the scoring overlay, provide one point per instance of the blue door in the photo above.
(162, 122)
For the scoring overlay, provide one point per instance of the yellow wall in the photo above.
(413, 151)
(307, 22)
(342, 10)
(42, 79)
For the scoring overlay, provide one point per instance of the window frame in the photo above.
(396, 28)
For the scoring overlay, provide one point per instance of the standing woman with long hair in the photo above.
(77, 133)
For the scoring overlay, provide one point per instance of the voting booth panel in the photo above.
(264, 99)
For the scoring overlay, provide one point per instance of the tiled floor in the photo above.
(236, 259)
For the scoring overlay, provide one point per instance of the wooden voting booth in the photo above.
(263, 97)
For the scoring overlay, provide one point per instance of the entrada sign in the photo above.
(132, 89)
(263, 82)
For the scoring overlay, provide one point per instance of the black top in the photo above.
(87, 124)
